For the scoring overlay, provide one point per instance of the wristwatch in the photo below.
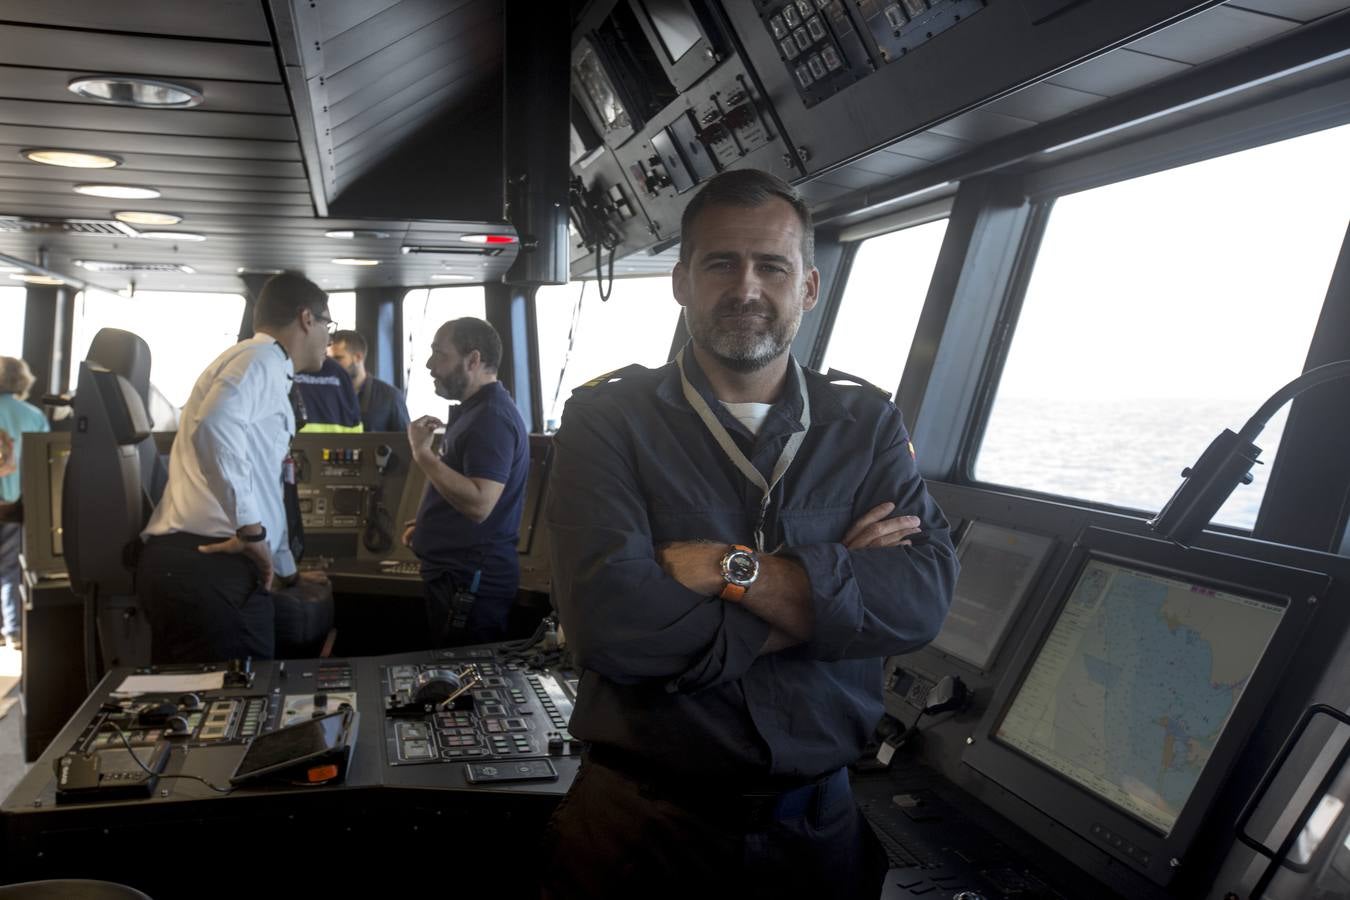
(253, 538)
(740, 568)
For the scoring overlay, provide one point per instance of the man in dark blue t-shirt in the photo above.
(466, 528)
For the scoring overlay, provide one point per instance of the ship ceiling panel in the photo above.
(1297, 10)
(889, 164)
(370, 145)
(21, 170)
(192, 122)
(381, 77)
(118, 142)
(221, 96)
(931, 146)
(980, 125)
(223, 20)
(440, 42)
(232, 168)
(195, 165)
(1117, 72)
(420, 101)
(15, 201)
(383, 31)
(139, 54)
(1210, 34)
(338, 16)
(1043, 102)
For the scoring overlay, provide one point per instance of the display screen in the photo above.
(591, 75)
(292, 744)
(1135, 683)
(675, 25)
(998, 566)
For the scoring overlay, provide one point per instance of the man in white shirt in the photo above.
(218, 538)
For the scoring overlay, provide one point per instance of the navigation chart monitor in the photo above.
(998, 567)
(1151, 669)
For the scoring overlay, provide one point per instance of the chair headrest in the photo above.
(126, 354)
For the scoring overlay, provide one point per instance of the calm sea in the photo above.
(1126, 453)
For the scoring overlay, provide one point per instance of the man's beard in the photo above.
(743, 346)
(452, 386)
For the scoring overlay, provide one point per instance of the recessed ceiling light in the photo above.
(141, 217)
(131, 91)
(172, 236)
(451, 276)
(108, 265)
(38, 279)
(72, 159)
(349, 261)
(245, 270)
(488, 238)
(117, 191)
(350, 233)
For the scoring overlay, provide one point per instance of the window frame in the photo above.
(1229, 132)
(850, 239)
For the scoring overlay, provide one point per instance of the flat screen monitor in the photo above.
(677, 30)
(1151, 666)
(998, 567)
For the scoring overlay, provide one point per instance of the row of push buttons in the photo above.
(504, 745)
(342, 454)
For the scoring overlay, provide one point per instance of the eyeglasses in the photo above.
(328, 323)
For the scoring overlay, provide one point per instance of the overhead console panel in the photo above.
(903, 67)
(670, 92)
(666, 102)
(828, 45)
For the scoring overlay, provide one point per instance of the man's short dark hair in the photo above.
(282, 298)
(469, 334)
(352, 339)
(746, 188)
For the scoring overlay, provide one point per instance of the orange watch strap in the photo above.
(732, 592)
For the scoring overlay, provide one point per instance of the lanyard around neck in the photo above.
(733, 452)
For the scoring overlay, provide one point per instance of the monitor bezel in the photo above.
(1092, 818)
(701, 57)
(1018, 607)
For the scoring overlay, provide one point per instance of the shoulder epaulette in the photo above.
(610, 377)
(834, 376)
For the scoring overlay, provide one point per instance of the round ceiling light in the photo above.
(127, 90)
(71, 159)
(117, 191)
(172, 236)
(142, 217)
(349, 261)
(350, 233)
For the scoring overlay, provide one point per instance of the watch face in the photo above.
(741, 568)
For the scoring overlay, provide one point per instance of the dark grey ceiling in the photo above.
(235, 167)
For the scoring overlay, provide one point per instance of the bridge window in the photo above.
(581, 336)
(1162, 310)
(342, 310)
(12, 300)
(424, 311)
(884, 294)
(162, 318)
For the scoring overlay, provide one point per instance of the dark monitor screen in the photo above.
(675, 26)
(998, 567)
(1135, 684)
